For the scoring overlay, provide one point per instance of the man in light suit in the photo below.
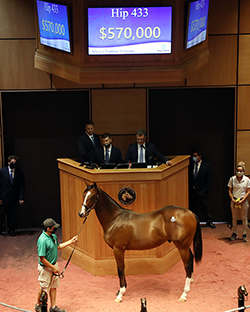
(200, 181)
(88, 141)
(107, 153)
(11, 193)
(143, 151)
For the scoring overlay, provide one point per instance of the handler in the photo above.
(47, 247)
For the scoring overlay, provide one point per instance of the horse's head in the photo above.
(90, 198)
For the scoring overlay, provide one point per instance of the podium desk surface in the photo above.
(147, 174)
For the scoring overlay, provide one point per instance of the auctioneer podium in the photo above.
(148, 189)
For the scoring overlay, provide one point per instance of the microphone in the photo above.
(151, 156)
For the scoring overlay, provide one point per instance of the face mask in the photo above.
(239, 174)
(53, 231)
(194, 159)
(12, 165)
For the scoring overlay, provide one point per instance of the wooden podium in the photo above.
(153, 188)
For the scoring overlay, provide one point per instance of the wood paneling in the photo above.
(162, 84)
(244, 60)
(17, 19)
(154, 188)
(60, 83)
(244, 16)
(119, 111)
(17, 66)
(221, 68)
(243, 148)
(223, 17)
(243, 114)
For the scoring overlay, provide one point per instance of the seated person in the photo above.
(107, 153)
(143, 151)
(88, 141)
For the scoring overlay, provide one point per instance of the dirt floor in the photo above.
(225, 266)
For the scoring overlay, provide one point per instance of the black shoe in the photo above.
(56, 309)
(12, 233)
(233, 237)
(244, 237)
(210, 224)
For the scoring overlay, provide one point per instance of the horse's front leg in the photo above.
(119, 257)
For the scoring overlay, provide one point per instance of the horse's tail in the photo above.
(197, 241)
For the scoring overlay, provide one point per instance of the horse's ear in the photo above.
(87, 184)
(95, 186)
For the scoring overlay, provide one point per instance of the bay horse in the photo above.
(125, 229)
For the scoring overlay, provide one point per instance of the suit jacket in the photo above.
(203, 180)
(98, 155)
(151, 151)
(85, 146)
(11, 194)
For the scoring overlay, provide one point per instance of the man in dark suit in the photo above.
(143, 151)
(88, 141)
(11, 193)
(200, 183)
(107, 153)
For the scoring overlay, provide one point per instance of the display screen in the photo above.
(129, 30)
(197, 22)
(53, 25)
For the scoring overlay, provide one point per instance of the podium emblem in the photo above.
(127, 196)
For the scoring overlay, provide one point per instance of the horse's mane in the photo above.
(111, 199)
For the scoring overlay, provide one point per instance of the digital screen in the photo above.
(197, 22)
(53, 25)
(129, 30)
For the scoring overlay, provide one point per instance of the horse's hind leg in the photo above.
(187, 258)
(119, 257)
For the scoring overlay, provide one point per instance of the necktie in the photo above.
(141, 155)
(196, 170)
(11, 176)
(107, 155)
(92, 139)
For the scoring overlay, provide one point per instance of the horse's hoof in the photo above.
(182, 299)
(118, 300)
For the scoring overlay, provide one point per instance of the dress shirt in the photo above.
(199, 165)
(143, 153)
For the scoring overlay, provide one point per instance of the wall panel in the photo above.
(244, 16)
(223, 17)
(221, 67)
(243, 114)
(17, 66)
(243, 148)
(244, 60)
(119, 111)
(17, 19)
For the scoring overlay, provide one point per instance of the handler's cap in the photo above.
(50, 222)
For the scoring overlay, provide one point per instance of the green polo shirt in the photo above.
(47, 247)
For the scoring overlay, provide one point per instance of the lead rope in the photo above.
(61, 274)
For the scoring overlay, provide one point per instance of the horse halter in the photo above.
(93, 206)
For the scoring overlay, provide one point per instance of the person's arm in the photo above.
(230, 192)
(245, 197)
(67, 243)
(155, 152)
(21, 189)
(48, 264)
